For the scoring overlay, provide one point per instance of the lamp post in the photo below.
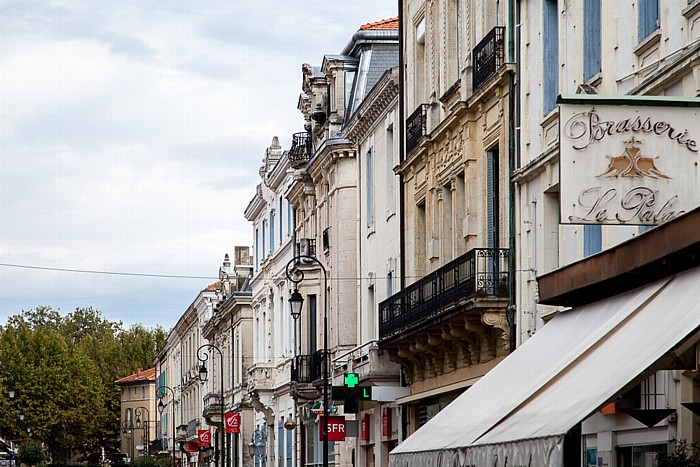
(296, 300)
(146, 433)
(203, 356)
(128, 432)
(161, 407)
(256, 448)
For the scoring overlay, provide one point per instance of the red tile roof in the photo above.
(391, 24)
(138, 375)
(213, 287)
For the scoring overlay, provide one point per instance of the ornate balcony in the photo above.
(212, 406)
(488, 56)
(416, 127)
(478, 273)
(300, 152)
(307, 368)
(261, 377)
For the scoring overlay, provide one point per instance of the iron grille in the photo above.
(488, 56)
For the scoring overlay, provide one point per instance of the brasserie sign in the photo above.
(630, 164)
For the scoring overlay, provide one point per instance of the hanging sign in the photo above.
(336, 429)
(204, 438)
(233, 422)
(626, 161)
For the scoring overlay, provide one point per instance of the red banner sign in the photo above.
(386, 421)
(336, 428)
(364, 427)
(233, 422)
(204, 438)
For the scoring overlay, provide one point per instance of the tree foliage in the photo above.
(63, 370)
(684, 454)
(31, 453)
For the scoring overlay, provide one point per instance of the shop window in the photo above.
(639, 456)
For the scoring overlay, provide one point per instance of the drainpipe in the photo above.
(402, 131)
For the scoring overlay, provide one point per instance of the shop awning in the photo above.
(576, 363)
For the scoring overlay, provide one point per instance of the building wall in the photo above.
(661, 61)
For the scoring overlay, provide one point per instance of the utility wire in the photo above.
(87, 271)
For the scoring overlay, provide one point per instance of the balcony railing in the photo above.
(307, 368)
(306, 247)
(300, 152)
(416, 127)
(478, 273)
(488, 56)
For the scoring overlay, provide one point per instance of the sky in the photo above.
(131, 134)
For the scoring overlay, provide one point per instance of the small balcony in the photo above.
(488, 56)
(416, 126)
(212, 405)
(306, 247)
(261, 377)
(307, 368)
(479, 274)
(300, 152)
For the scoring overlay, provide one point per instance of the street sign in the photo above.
(351, 396)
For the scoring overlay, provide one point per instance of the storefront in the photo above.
(635, 311)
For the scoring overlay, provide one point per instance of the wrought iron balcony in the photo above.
(416, 127)
(306, 247)
(478, 273)
(307, 368)
(488, 56)
(300, 152)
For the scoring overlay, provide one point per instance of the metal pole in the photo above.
(221, 437)
(326, 351)
(172, 422)
(145, 426)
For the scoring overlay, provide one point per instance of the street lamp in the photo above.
(256, 448)
(203, 374)
(161, 407)
(146, 431)
(296, 301)
(128, 432)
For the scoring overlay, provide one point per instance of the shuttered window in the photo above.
(591, 39)
(550, 55)
(592, 239)
(648, 18)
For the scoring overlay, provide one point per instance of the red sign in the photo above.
(204, 438)
(192, 446)
(336, 428)
(233, 422)
(386, 421)
(364, 428)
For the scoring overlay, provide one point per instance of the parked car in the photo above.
(118, 458)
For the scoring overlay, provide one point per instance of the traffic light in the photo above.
(351, 393)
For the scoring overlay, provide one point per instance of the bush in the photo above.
(31, 453)
(684, 455)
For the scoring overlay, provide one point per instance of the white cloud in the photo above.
(131, 134)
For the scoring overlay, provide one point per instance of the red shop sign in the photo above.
(336, 428)
(386, 421)
(204, 438)
(233, 422)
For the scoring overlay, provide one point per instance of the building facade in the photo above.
(273, 331)
(578, 51)
(450, 322)
(138, 413)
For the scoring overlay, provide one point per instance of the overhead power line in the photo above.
(112, 273)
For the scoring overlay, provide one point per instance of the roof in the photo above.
(138, 376)
(213, 287)
(385, 24)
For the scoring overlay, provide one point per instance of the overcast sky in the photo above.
(131, 134)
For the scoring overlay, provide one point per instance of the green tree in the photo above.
(64, 369)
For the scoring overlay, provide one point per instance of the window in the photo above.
(644, 228)
(257, 248)
(591, 39)
(272, 231)
(290, 438)
(289, 218)
(280, 210)
(369, 177)
(592, 239)
(390, 177)
(263, 240)
(647, 18)
(492, 199)
(550, 55)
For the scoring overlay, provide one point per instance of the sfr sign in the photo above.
(336, 429)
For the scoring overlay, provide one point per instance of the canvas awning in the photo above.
(521, 410)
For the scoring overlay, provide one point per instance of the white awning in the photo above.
(572, 366)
